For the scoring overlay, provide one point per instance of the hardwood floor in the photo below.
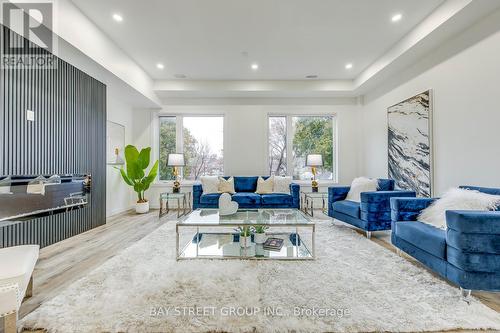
(63, 263)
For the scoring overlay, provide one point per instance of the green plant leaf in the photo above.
(131, 156)
(125, 177)
(151, 176)
(131, 153)
(144, 158)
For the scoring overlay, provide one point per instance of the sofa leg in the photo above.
(10, 323)
(368, 234)
(465, 294)
(399, 252)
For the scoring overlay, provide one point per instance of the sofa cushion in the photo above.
(245, 184)
(347, 207)
(210, 199)
(276, 199)
(423, 236)
(246, 199)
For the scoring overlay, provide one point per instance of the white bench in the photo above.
(16, 281)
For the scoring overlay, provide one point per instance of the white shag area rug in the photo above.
(354, 285)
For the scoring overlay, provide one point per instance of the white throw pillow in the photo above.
(282, 184)
(265, 186)
(359, 185)
(226, 186)
(210, 184)
(457, 199)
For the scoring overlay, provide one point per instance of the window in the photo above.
(200, 138)
(292, 138)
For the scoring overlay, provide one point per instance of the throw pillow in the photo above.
(457, 199)
(265, 186)
(210, 184)
(282, 184)
(359, 185)
(226, 186)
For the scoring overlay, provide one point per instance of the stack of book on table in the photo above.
(273, 244)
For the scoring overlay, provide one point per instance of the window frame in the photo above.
(289, 142)
(179, 136)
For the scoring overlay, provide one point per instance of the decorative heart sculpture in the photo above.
(226, 206)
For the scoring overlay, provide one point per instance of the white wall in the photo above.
(245, 135)
(466, 118)
(118, 194)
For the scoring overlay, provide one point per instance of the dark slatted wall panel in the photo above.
(68, 136)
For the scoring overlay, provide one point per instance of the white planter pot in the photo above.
(245, 241)
(260, 238)
(142, 207)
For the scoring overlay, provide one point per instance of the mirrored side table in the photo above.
(183, 203)
(307, 201)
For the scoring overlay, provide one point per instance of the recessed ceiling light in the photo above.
(160, 66)
(255, 66)
(348, 66)
(117, 17)
(396, 17)
(311, 76)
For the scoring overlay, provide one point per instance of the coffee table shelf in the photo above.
(213, 236)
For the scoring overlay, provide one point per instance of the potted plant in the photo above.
(135, 176)
(260, 234)
(245, 236)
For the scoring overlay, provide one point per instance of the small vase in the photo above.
(142, 207)
(245, 241)
(260, 238)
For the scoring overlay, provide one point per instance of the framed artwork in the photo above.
(115, 143)
(410, 144)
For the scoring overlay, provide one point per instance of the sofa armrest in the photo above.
(295, 192)
(474, 221)
(408, 209)
(379, 201)
(197, 192)
(336, 193)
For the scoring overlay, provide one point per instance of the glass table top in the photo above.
(170, 195)
(211, 217)
(316, 194)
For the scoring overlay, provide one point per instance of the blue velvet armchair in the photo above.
(373, 213)
(467, 253)
(246, 197)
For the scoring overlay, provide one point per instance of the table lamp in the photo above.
(176, 161)
(313, 161)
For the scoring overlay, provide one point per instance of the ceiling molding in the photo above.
(447, 22)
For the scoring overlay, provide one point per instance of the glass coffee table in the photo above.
(211, 236)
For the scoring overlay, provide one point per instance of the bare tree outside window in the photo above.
(277, 146)
(202, 146)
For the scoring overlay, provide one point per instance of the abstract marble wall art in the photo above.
(410, 155)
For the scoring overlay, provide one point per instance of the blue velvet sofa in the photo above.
(246, 197)
(374, 211)
(467, 253)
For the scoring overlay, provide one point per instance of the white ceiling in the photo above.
(204, 39)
